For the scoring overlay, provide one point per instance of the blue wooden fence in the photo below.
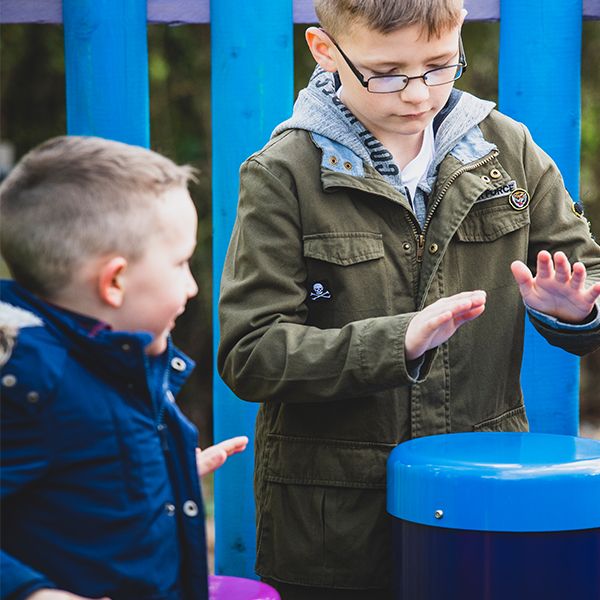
(252, 66)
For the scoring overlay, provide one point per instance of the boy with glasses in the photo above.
(390, 239)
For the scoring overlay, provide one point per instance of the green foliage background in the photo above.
(32, 96)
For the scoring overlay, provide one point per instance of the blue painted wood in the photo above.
(539, 84)
(177, 12)
(106, 65)
(252, 91)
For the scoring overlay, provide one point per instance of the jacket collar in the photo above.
(118, 354)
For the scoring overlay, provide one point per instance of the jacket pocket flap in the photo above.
(344, 248)
(489, 224)
(514, 419)
(337, 463)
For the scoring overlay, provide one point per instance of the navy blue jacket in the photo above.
(100, 490)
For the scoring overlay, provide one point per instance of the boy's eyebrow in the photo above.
(392, 64)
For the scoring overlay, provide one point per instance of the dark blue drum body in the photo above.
(496, 516)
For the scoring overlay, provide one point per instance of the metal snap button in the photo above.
(9, 380)
(33, 397)
(485, 178)
(333, 160)
(433, 248)
(170, 509)
(125, 347)
(495, 174)
(406, 246)
(190, 508)
(178, 364)
(348, 166)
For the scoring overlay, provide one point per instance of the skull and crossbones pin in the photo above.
(319, 292)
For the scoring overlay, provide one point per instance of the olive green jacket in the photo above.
(328, 362)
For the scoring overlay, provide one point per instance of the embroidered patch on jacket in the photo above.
(319, 291)
(499, 192)
(519, 199)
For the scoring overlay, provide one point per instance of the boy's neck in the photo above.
(404, 148)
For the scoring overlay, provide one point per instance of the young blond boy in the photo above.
(100, 469)
(387, 213)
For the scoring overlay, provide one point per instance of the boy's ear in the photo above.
(321, 46)
(111, 281)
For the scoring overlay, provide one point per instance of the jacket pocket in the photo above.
(344, 249)
(489, 223)
(514, 419)
(322, 515)
(489, 239)
(343, 269)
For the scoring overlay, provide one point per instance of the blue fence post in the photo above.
(106, 63)
(252, 90)
(540, 84)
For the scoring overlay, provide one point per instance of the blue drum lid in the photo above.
(497, 482)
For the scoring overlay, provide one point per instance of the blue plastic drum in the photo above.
(496, 516)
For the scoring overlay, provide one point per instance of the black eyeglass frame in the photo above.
(462, 62)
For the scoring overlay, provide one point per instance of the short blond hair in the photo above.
(74, 198)
(385, 16)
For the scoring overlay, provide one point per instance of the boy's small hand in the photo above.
(437, 322)
(50, 594)
(211, 458)
(556, 290)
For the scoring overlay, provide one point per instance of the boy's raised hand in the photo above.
(557, 289)
(211, 458)
(434, 324)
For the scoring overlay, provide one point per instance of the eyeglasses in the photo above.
(386, 84)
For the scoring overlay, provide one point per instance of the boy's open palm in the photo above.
(557, 289)
(437, 322)
(211, 458)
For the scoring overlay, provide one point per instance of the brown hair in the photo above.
(340, 16)
(74, 198)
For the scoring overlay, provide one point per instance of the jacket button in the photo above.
(178, 364)
(170, 509)
(433, 248)
(406, 246)
(33, 397)
(9, 380)
(190, 508)
(126, 347)
(485, 178)
(495, 174)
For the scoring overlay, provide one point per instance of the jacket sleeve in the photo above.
(267, 351)
(18, 581)
(24, 459)
(556, 226)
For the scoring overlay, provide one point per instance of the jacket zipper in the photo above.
(420, 233)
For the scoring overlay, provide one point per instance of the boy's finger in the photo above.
(522, 275)
(562, 267)
(545, 267)
(233, 445)
(578, 276)
(469, 315)
(592, 294)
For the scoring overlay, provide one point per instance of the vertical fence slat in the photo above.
(539, 84)
(252, 90)
(106, 64)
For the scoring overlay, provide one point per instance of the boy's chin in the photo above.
(157, 346)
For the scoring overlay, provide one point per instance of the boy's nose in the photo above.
(416, 91)
(192, 286)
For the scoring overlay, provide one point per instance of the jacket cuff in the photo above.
(413, 371)
(592, 322)
(19, 581)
